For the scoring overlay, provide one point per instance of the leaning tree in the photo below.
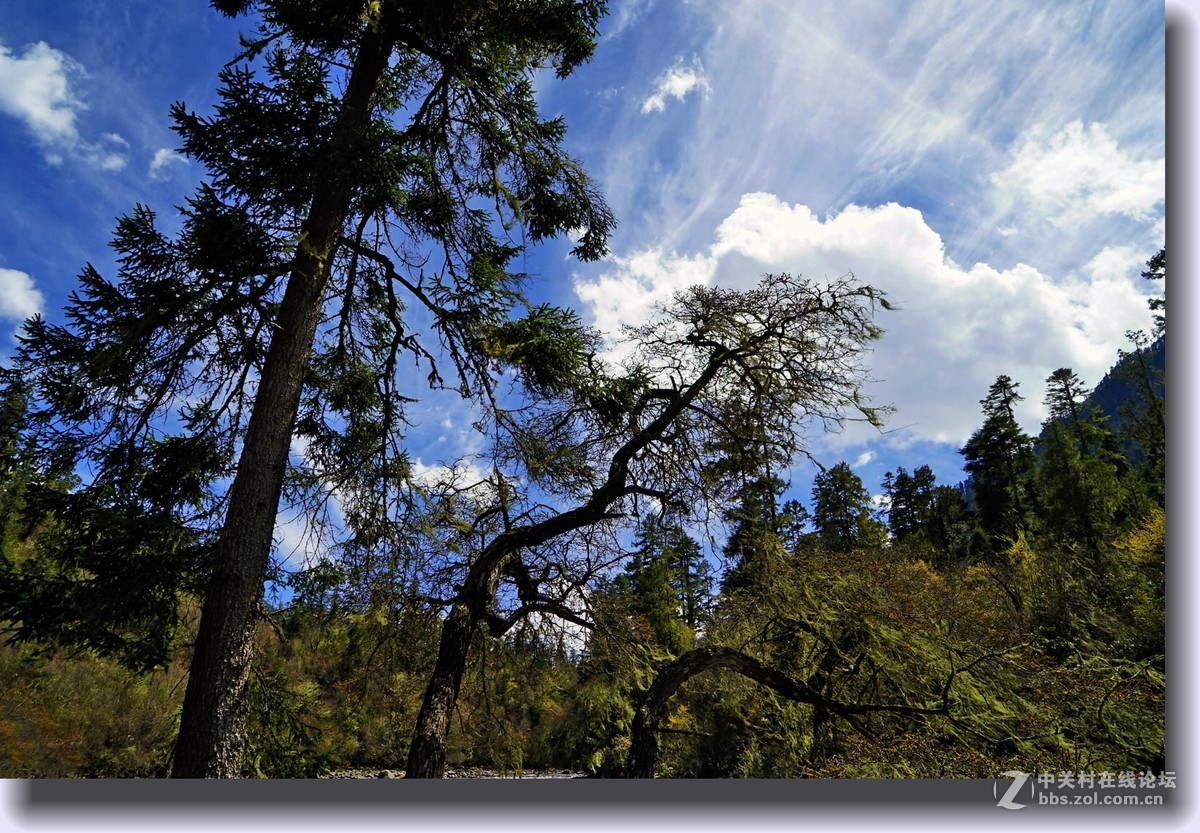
(585, 445)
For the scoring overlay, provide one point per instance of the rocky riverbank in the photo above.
(471, 772)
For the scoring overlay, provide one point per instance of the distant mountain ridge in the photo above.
(1116, 387)
(1117, 396)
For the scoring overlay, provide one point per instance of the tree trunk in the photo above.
(427, 754)
(212, 725)
(643, 746)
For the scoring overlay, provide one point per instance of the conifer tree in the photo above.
(999, 458)
(923, 517)
(1133, 394)
(1077, 478)
(1144, 414)
(367, 158)
(685, 570)
(1156, 270)
(843, 513)
(753, 536)
(948, 525)
(691, 576)
(664, 584)
(794, 520)
(908, 501)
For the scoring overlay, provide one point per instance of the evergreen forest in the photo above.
(624, 581)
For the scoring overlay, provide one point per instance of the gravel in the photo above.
(470, 772)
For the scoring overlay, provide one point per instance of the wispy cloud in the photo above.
(623, 14)
(676, 82)
(38, 87)
(164, 160)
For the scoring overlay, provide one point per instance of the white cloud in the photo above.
(19, 299)
(1081, 173)
(466, 481)
(164, 159)
(109, 154)
(468, 476)
(863, 459)
(38, 88)
(298, 541)
(676, 82)
(956, 329)
(638, 283)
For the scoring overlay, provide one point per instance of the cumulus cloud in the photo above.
(638, 283)
(38, 88)
(466, 476)
(956, 330)
(676, 82)
(19, 299)
(1081, 173)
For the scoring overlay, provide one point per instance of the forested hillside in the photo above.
(615, 572)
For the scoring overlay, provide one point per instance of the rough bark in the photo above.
(211, 732)
(427, 754)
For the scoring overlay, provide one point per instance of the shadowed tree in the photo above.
(1144, 413)
(1000, 460)
(1078, 485)
(910, 501)
(924, 518)
(367, 163)
(948, 527)
(1156, 270)
(787, 351)
(843, 513)
(754, 535)
(794, 519)
(643, 748)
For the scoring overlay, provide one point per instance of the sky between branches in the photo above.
(997, 168)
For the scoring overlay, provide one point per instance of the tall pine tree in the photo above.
(843, 512)
(1000, 460)
(367, 156)
(1078, 487)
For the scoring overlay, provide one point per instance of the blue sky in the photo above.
(997, 168)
